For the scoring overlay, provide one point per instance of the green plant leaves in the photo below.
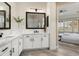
(18, 19)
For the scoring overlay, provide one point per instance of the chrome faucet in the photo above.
(36, 31)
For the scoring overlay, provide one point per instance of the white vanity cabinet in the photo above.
(20, 45)
(36, 41)
(28, 41)
(45, 41)
(15, 47)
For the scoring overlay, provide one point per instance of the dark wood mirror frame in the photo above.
(9, 17)
(47, 22)
(36, 13)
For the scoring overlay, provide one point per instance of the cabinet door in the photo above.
(28, 42)
(15, 47)
(45, 41)
(37, 41)
(6, 54)
(20, 45)
(5, 49)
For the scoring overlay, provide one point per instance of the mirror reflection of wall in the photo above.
(1, 19)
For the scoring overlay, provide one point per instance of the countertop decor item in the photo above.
(18, 20)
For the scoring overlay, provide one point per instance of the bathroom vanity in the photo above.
(36, 41)
(13, 45)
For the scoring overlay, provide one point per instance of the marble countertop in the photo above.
(7, 39)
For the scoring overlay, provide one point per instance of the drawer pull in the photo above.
(10, 52)
(13, 50)
(27, 36)
(5, 49)
(31, 39)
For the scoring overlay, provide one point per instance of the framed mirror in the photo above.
(35, 20)
(5, 15)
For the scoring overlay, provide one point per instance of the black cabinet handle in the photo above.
(10, 52)
(27, 36)
(13, 50)
(5, 49)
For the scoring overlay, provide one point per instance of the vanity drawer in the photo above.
(5, 49)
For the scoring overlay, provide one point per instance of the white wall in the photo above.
(51, 11)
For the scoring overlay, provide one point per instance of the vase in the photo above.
(18, 25)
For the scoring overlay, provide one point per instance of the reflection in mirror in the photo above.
(35, 20)
(2, 18)
(5, 13)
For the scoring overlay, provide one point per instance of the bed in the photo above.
(70, 37)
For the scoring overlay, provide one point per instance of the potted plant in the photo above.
(18, 20)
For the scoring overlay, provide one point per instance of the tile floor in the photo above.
(65, 49)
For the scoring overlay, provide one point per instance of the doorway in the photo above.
(68, 24)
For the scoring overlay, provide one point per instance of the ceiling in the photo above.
(71, 10)
(61, 3)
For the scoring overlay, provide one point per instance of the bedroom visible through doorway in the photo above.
(68, 23)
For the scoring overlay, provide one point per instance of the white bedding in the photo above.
(70, 37)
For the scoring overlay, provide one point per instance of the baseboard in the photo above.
(37, 49)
